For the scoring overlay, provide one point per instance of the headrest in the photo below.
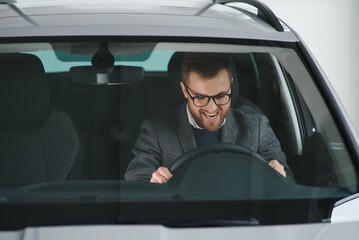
(175, 70)
(24, 95)
(174, 67)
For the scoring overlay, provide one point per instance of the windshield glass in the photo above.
(208, 131)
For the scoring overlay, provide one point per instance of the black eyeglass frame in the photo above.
(208, 97)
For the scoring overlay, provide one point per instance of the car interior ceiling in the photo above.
(107, 118)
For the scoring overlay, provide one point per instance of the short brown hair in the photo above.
(207, 65)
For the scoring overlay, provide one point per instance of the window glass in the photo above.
(69, 134)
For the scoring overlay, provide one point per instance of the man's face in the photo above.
(211, 116)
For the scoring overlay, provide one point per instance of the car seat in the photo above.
(37, 143)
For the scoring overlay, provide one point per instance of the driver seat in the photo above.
(37, 143)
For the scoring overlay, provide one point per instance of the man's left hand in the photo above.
(277, 166)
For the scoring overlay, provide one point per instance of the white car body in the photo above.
(37, 22)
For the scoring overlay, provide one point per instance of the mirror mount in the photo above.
(103, 63)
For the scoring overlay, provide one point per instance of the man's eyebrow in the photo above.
(206, 95)
(223, 92)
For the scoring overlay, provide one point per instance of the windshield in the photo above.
(85, 125)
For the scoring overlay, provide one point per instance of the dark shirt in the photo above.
(204, 137)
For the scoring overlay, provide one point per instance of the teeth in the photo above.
(211, 115)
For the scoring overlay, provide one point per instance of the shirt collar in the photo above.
(193, 122)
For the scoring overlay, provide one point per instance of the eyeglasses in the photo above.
(203, 100)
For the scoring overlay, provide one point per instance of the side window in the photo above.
(305, 118)
(315, 152)
(310, 154)
(262, 82)
(324, 160)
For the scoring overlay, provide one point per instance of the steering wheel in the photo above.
(213, 148)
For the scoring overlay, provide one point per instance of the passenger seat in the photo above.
(37, 143)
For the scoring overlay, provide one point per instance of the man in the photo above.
(205, 118)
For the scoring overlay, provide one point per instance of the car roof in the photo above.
(196, 18)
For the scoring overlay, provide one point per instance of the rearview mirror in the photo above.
(117, 75)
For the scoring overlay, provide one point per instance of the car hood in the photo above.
(317, 231)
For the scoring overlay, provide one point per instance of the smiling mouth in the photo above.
(211, 116)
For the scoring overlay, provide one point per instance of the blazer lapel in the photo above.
(234, 133)
(185, 130)
(229, 129)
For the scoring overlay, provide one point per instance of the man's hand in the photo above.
(161, 175)
(277, 166)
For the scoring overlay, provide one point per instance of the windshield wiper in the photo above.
(196, 222)
(211, 223)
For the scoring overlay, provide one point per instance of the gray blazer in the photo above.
(164, 138)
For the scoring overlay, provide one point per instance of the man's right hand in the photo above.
(161, 175)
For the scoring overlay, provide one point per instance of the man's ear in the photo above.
(183, 88)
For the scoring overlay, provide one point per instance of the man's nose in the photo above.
(211, 106)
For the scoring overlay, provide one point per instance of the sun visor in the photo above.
(117, 75)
